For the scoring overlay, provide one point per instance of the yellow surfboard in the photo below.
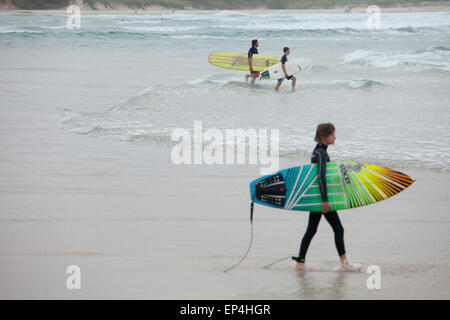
(239, 61)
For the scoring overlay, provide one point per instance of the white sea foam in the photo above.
(436, 57)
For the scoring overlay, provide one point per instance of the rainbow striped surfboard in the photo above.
(349, 185)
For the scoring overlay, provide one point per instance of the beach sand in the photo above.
(141, 227)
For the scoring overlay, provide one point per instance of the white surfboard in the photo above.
(292, 67)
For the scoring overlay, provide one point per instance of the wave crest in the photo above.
(431, 58)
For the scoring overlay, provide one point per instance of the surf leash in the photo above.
(250, 243)
(275, 262)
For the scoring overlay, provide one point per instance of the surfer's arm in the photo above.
(250, 63)
(322, 167)
(284, 69)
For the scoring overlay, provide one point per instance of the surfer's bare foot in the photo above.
(299, 266)
(346, 266)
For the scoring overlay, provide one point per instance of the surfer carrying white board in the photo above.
(325, 136)
(253, 50)
(284, 59)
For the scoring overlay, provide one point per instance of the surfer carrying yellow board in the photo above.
(253, 50)
(284, 59)
(325, 136)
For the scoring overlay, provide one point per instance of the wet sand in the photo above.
(140, 227)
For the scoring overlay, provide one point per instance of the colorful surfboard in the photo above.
(349, 185)
(292, 67)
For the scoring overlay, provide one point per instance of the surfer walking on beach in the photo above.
(253, 50)
(325, 136)
(284, 59)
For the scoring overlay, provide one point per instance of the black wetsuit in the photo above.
(320, 156)
(284, 59)
(251, 52)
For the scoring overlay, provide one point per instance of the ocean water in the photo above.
(387, 90)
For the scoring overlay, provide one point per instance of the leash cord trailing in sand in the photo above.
(249, 245)
(279, 260)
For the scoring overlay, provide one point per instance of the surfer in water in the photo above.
(253, 50)
(325, 136)
(284, 59)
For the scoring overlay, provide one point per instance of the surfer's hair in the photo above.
(285, 49)
(254, 42)
(323, 131)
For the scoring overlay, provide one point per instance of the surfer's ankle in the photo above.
(347, 266)
(299, 266)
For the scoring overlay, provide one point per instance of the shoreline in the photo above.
(159, 10)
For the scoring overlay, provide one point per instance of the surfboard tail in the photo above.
(265, 75)
(269, 190)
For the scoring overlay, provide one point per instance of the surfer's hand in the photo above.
(286, 75)
(325, 207)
